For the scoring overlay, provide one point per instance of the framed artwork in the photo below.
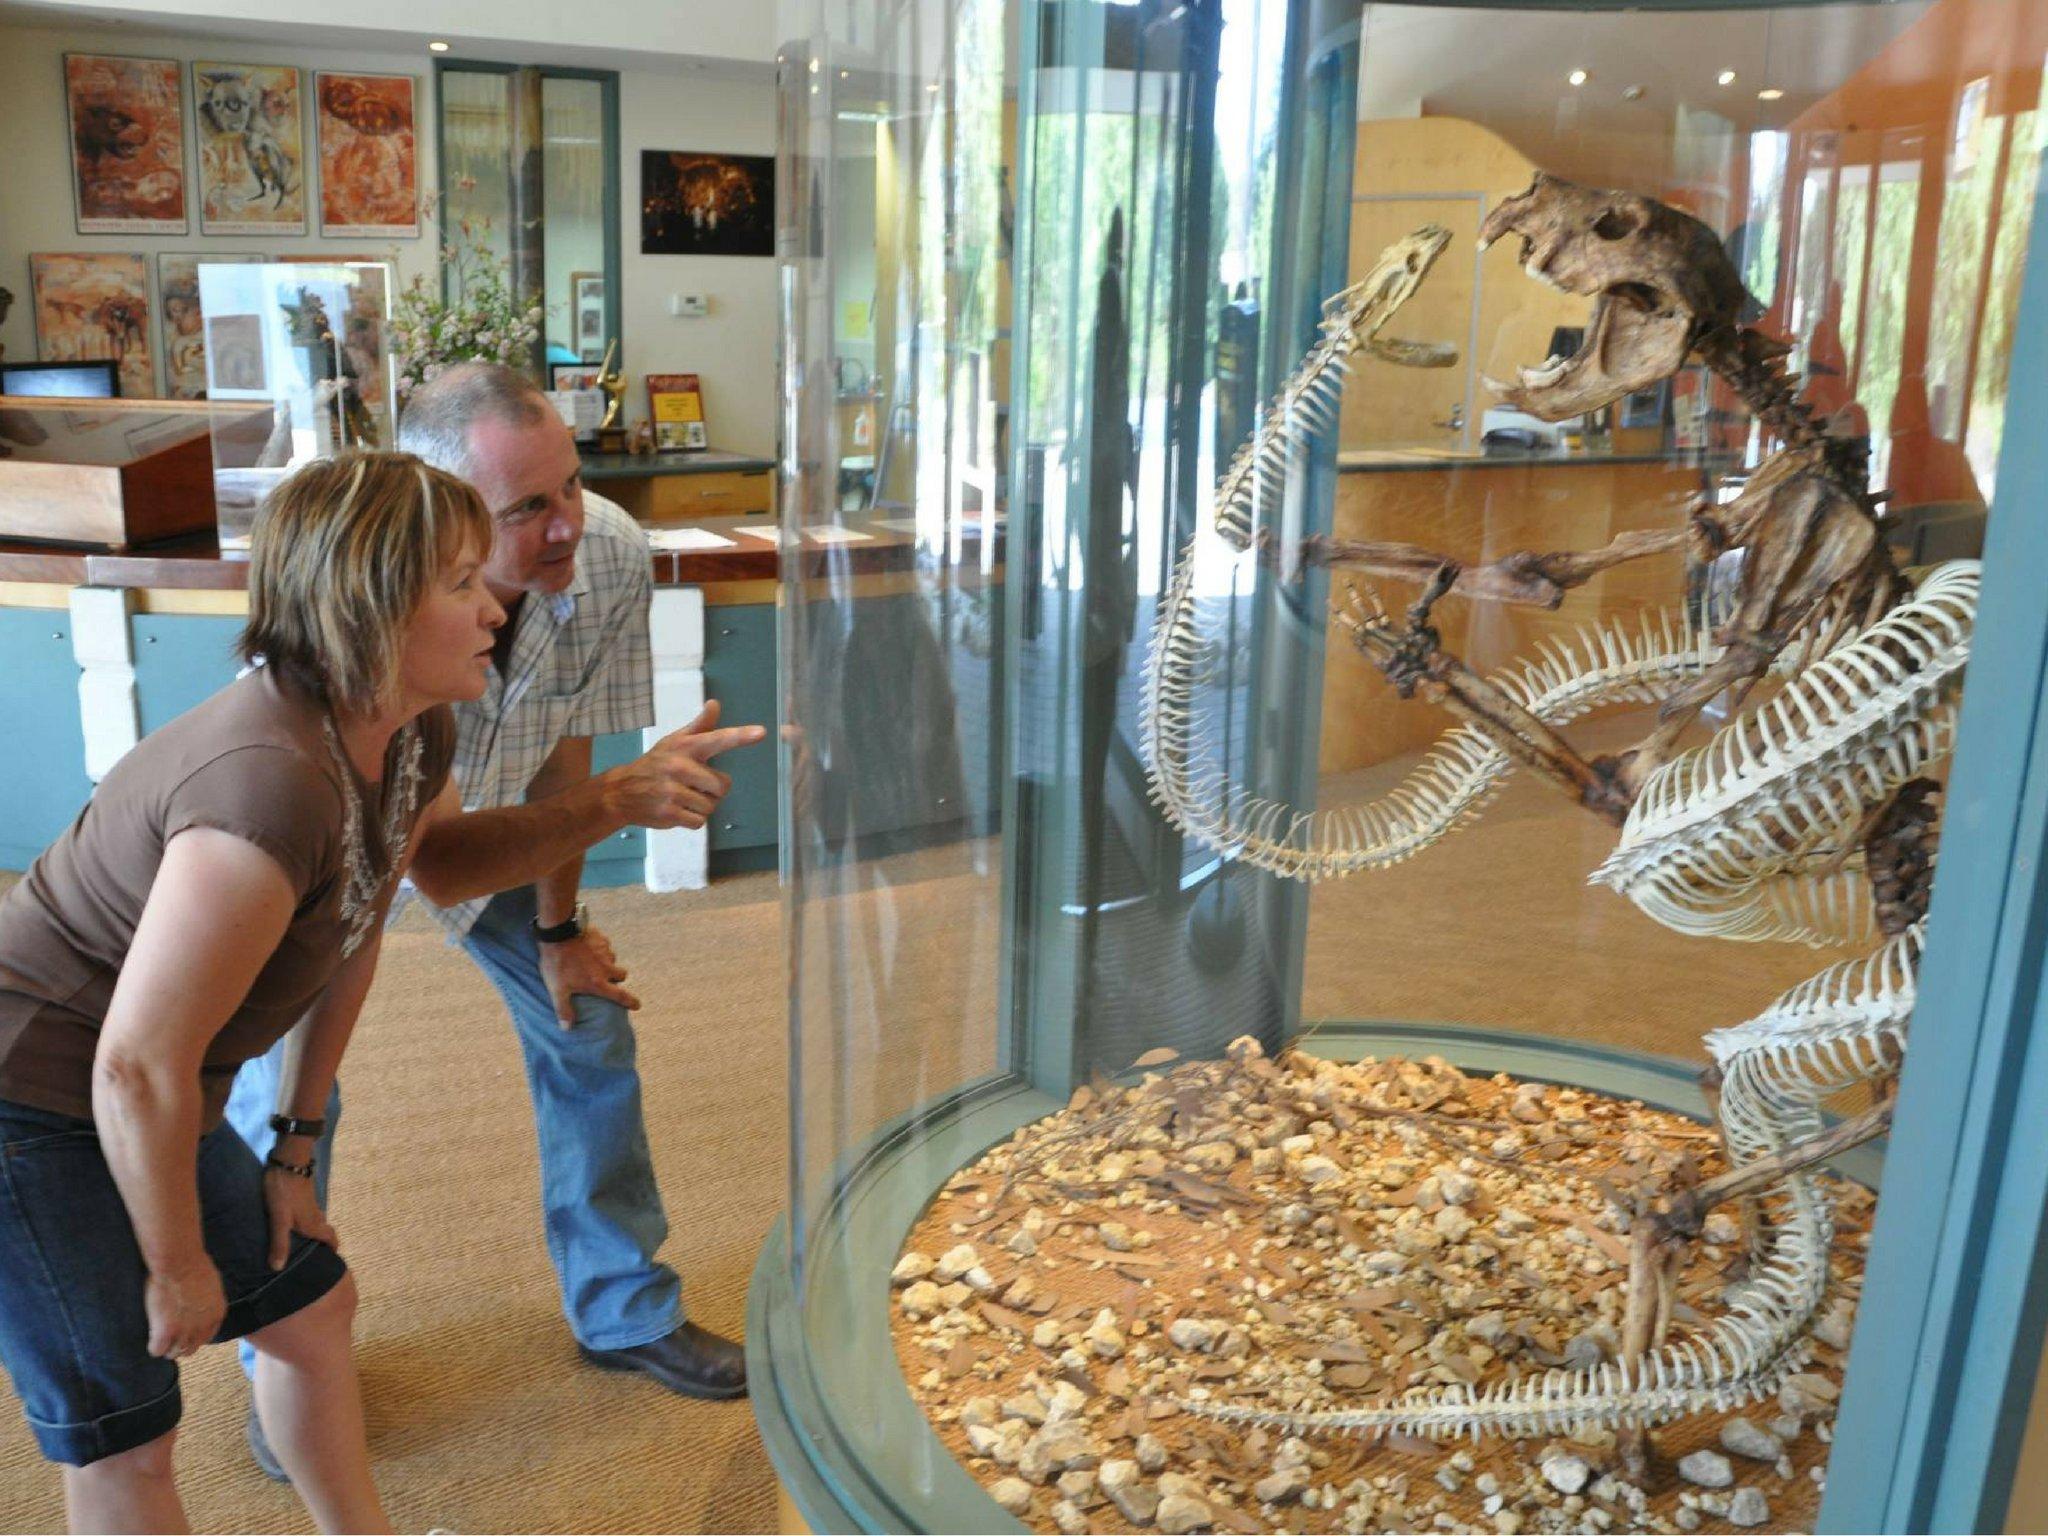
(695, 204)
(127, 123)
(369, 175)
(586, 314)
(183, 322)
(252, 160)
(1645, 408)
(574, 375)
(96, 306)
(236, 345)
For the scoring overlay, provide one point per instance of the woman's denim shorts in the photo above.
(73, 1334)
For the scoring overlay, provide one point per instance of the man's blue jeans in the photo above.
(604, 1218)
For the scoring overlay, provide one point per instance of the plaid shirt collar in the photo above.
(534, 638)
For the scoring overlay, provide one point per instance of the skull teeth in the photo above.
(1548, 374)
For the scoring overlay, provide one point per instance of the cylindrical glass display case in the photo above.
(1353, 912)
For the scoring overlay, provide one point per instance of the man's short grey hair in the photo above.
(439, 414)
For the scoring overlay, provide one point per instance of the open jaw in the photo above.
(1658, 280)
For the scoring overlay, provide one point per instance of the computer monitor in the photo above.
(75, 381)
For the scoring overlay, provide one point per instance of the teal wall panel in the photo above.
(42, 768)
(180, 659)
(621, 858)
(739, 672)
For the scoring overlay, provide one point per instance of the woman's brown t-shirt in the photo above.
(251, 761)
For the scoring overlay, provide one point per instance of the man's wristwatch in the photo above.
(287, 1125)
(563, 932)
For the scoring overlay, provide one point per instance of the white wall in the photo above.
(733, 348)
(36, 209)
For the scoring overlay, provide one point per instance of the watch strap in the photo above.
(288, 1125)
(560, 933)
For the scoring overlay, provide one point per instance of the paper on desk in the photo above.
(769, 532)
(686, 538)
(838, 535)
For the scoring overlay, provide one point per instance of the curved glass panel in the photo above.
(1185, 638)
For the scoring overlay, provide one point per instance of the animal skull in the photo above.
(1658, 280)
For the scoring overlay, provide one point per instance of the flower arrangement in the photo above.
(473, 315)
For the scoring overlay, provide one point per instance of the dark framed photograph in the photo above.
(696, 204)
(1647, 406)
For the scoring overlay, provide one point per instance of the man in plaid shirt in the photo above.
(572, 662)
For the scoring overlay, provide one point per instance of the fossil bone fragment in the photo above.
(1777, 828)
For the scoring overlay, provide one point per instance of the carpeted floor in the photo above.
(481, 1417)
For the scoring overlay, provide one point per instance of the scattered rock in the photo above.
(1283, 1486)
(1457, 1188)
(1116, 1237)
(912, 1266)
(1806, 1394)
(1707, 1469)
(1178, 1513)
(1453, 1224)
(1835, 1328)
(1212, 1157)
(1192, 1333)
(1749, 1507)
(1046, 1335)
(978, 1279)
(1785, 1427)
(1026, 1407)
(1565, 1472)
(1746, 1439)
(1013, 1493)
(1021, 1293)
(954, 1263)
(1066, 1514)
(1103, 1335)
(1587, 1351)
(1118, 1472)
(1318, 1170)
(1064, 1402)
(1488, 1327)
(1293, 1452)
(1078, 1484)
(1135, 1502)
(920, 1299)
(1151, 1453)
(1687, 1518)
(1721, 1229)
(1023, 1244)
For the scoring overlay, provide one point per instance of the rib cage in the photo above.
(1714, 844)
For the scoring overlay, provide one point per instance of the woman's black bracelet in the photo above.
(296, 1170)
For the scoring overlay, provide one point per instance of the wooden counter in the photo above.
(662, 487)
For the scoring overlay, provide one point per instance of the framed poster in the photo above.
(127, 123)
(183, 321)
(96, 306)
(369, 178)
(252, 160)
(586, 315)
(695, 204)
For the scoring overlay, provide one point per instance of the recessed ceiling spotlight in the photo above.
(1632, 93)
(816, 65)
(1769, 93)
(1726, 77)
(846, 74)
(933, 88)
(437, 46)
(1578, 77)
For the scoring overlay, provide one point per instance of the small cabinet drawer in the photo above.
(724, 493)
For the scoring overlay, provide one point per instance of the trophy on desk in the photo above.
(611, 431)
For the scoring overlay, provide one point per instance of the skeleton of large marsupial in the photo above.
(1805, 818)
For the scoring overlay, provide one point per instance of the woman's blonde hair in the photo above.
(343, 554)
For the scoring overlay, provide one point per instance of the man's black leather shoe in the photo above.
(259, 1447)
(692, 1360)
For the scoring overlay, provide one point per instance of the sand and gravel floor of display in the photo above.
(1306, 1236)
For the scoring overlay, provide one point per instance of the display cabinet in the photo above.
(105, 473)
(1447, 1018)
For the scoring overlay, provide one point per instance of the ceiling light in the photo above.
(437, 46)
(816, 64)
(846, 74)
(933, 88)
(1726, 77)
(1769, 93)
(1578, 77)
